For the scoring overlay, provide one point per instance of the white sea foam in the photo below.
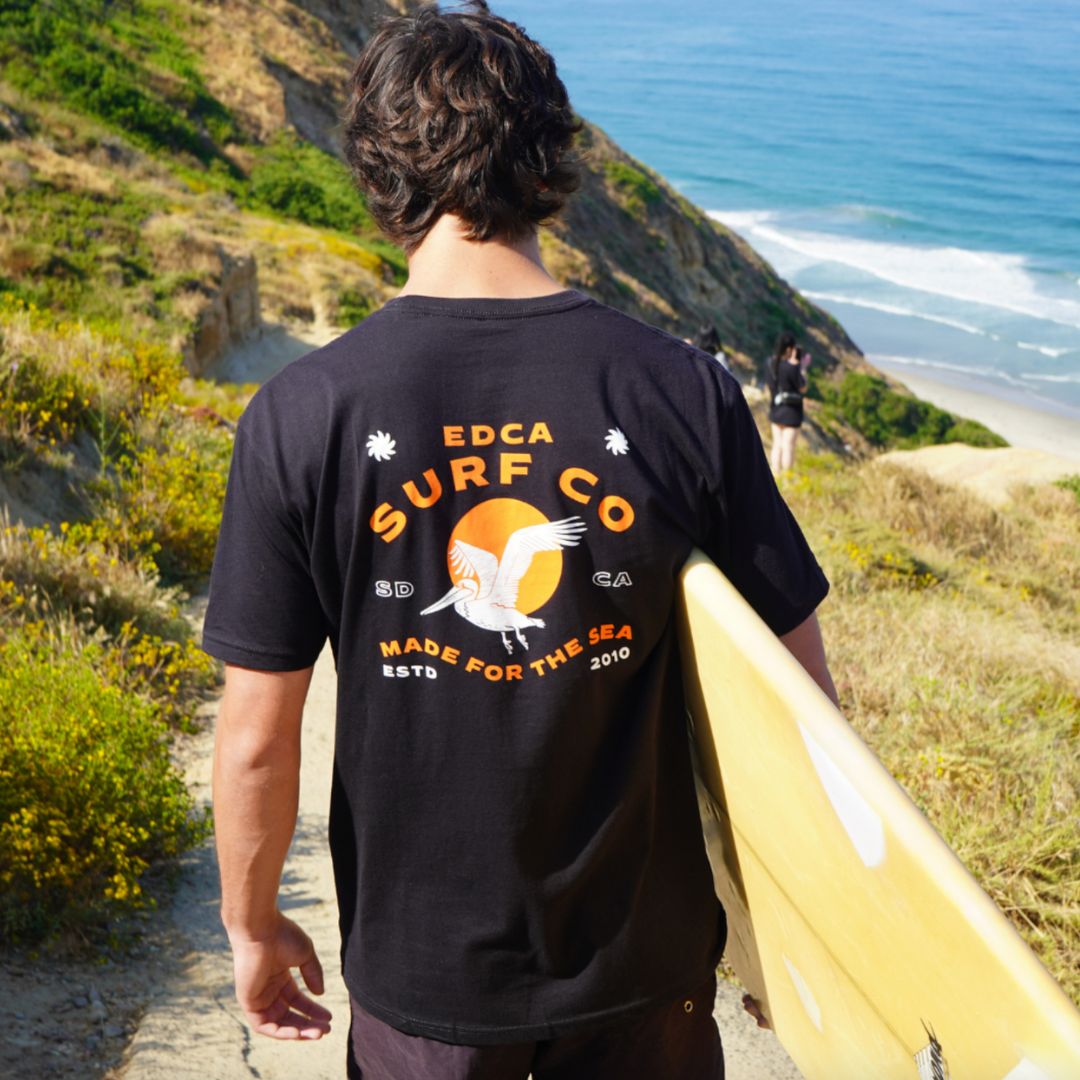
(987, 381)
(918, 361)
(749, 219)
(894, 309)
(1053, 378)
(1046, 350)
(992, 279)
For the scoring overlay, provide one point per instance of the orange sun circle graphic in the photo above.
(488, 526)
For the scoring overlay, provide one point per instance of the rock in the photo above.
(16, 173)
(114, 1031)
(12, 124)
(230, 315)
(97, 1006)
(80, 1001)
(111, 151)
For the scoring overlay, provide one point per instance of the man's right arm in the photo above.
(256, 789)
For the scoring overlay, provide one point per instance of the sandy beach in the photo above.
(1053, 431)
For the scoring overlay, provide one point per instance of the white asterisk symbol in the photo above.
(380, 446)
(616, 442)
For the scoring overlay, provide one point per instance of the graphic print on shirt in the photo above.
(497, 573)
(504, 557)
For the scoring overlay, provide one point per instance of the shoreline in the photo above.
(1026, 426)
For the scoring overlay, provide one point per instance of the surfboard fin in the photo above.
(931, 1059)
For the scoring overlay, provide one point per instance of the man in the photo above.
(482, 495)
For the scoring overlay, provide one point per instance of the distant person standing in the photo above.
(787, 385)
(709, 341)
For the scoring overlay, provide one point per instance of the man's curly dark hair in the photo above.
(459, 112)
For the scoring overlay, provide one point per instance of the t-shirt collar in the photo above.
(489, 307)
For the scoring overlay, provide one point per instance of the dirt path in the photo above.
(192, 1026)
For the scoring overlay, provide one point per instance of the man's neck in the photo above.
(448, 264)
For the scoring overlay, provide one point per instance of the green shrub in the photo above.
(77, 582)
(105, 60)
(172, 674)
(173, 493)
(354, 306)
(81, 252)
(1071, 483)
(638, 190)
(83, 570)
(890, 419)
(160, 489)
(89, 798)
(38, 407)
(300, 181)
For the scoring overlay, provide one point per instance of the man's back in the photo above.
(484, 504)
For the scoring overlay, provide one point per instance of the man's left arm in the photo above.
(256, 793)
(806, 645)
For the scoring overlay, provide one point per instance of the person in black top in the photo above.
(481, 497)
(786, 383)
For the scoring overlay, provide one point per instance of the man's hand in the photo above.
(266, 990)
(751, 1005)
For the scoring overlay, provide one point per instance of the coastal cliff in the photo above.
(266, 82)
(627, 237)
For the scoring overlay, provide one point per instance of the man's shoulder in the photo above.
(313, 380)
(664, 354)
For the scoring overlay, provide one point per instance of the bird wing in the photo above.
(467, 560)
(520, 548)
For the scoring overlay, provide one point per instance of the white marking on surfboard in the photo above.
(861, 822)
(809, 1002)
(1027, 1070)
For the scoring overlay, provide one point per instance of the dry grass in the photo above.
(952, 631)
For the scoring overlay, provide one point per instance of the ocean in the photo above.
(913, 168)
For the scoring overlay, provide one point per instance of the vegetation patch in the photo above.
(354, 306)
(887, 418)
(636, 189)
(81, 251)
(951, 630)
(125, 64)
(89, 798)
(98, 666)
(1071, 483)
(298, 180)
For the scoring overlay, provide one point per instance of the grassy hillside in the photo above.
(153, 154)
(952, 629)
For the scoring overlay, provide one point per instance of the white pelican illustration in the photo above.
(487, 592)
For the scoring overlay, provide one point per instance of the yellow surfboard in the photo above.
(872, 950)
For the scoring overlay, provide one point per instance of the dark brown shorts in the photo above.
(678, 1041)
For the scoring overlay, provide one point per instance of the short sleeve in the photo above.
(263, 611)
(753, 536)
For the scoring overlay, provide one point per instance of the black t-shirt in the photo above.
(485, 504)
(786, 378)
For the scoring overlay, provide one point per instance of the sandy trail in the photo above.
(988, 473)
(193, 1026)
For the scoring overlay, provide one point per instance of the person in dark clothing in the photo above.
(481, 497)
(786, 383)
